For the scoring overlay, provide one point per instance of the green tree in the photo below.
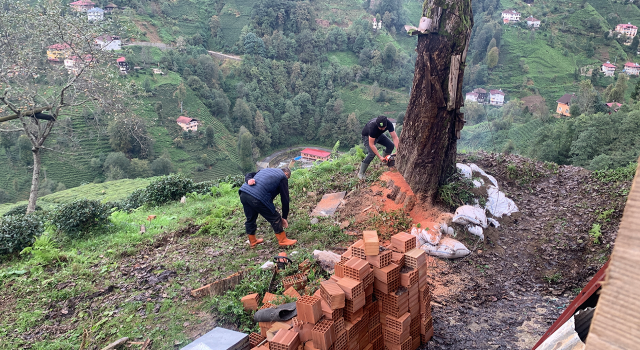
(474, 112)
(117, 160)
(586, 98)
(24, 149)
(263, 139)
(253, 45)
(129, 135)
(389, 55)
(635, 95)
(242, 115)
(158, 109)
(209, 133)
(617, 94)
(180, 94)
(245, 150)
(492, 57)
(492, 44)
(162, 166)
(214, 26)
(140, 168)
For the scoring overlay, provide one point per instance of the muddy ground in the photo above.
(514, 285)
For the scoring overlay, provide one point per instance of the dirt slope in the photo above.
(517, 282)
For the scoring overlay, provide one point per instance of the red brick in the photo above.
(323, 335)
(356, 269)
(285, 340)
(387, 273)
(357, 250)
(309, 309)
(371, 243)
(250, 302)
(403, 242)
(352, 288)
(381, 260)
(332, 294)
(415, 258)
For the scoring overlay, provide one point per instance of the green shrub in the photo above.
(19, 210)
(168, 188)
(80, 217)
(135, 200)
(19, 231)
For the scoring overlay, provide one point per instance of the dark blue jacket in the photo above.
(269, 183)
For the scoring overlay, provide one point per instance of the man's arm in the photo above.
(284, 197)
(373, 148)
(395, 139)
(249, 177)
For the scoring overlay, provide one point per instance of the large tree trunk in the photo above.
(35, 181)
(427, 152)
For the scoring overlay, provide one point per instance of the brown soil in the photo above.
(513, 286)
(152, 32)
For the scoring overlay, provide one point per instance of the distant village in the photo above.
(496, 97)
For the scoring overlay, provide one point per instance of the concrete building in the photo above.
(628, 29)
(608, 69)
(631, 68)
(187, 123)
(58, 52)
(109, 42)
(509, 16)
(82, 5)
(471, 96)
(496, 97)
(533, 22)
(564, 104)
(95, 14)
(122, 65)
(315, 154)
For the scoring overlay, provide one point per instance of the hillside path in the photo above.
(224, 56)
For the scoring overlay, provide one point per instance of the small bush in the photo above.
(135, 200)
(80, 217)
(168, 188)
(19, 231)
(19, 210)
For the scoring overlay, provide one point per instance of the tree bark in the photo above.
(427, 152)
(35, 180)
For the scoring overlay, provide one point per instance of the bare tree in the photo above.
(50, 67)
(427, 152)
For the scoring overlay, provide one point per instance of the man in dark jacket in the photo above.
(373, 133)
(257, 194)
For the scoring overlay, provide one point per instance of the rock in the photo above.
(326, 259)
(183, 199)
(314, 221)
(344, 224)
(268, 265)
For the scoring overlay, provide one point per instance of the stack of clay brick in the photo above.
(378, 299)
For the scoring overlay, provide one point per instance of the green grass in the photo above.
(345, 58)
(626, 13)
(48, 305)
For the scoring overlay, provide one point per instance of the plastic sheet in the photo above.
(477, 169)
(476, 231)
(465, 170)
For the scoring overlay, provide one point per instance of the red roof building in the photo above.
(627, 29)
(631, 68)
(82, 5)
(187, 123)
(315, 154)
(608, 69)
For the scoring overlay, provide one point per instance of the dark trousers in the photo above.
(382, 140)
(253, 207)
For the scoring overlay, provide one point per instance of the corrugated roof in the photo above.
(566, 98)
(316, 152)
(184, 120)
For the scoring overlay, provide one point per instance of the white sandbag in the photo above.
(498, 204)
(448, 248)
(478, 183)
(326, 258)
(478, 170)
(476, 231)
(493, 222)
(468, 214)
(446, 229)
(426, 236)
(464, 169)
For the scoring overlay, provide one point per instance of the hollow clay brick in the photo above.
(309, 308)
(328, 312)
(264, 327)
(332, 294)
(415, 258)
(338, 269)
(250, 302)
(368, 279)
(351, 287)
(275, 328)
(354, 304)
(297, 281)
(378, 343)
(426, 337)
(356, 269)
(397, 258)
(408, 276)
(415, 343)
(381, 260)
(399, 325)
(291, 292)
(338, 323)
(357, 250)
(353, 316)
(341, 340)
(323, 335)
(255, 339)
(285, 340)
(393, 337)
(346, 255)
(387, 273)
(371, 242)
(403, 242)
(268, 297)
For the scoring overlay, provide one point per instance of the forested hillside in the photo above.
(315, 72)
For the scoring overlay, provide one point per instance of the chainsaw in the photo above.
(390, 160)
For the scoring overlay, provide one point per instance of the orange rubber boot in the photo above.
(253, 241)
(283, 241)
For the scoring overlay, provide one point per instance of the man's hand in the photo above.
(251, 182)
(382, 159)
(285, 224)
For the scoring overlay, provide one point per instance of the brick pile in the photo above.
(378, 299)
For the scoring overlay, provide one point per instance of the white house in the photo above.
(533, 22)
(108, 42)
(82, 5)
(471, 96)
(122, 65)
(631, 68)
(628, 29)
(95, 14)
(510, 16)
(608, 69)
(496, 97)
(187, 123)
